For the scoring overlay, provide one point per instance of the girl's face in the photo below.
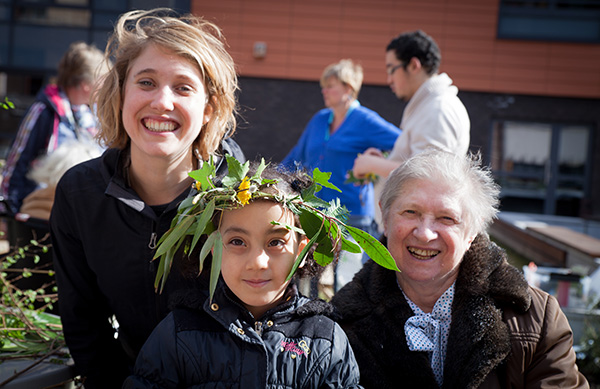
(164, 104)
(257, 255)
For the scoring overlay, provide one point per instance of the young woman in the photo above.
(257, 331)
(167, 104)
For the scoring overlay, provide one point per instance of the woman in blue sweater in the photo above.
(337, 133)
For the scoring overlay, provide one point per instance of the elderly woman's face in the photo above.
(426, 232)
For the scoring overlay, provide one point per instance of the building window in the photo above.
(541, 167)
(554, 20)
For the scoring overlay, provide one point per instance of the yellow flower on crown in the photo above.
(243, 194)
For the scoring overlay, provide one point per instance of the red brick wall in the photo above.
(304, 36)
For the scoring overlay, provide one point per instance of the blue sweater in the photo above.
(335, 153)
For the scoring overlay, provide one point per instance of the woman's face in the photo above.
(335, 93)
(426, 232)
(164, 104)
(257, 255)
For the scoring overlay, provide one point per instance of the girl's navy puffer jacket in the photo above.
(220, 345)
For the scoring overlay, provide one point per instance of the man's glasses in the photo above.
(391, 70)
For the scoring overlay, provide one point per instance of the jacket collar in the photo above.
(478, 341)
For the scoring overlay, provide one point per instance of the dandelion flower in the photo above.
(243, 194)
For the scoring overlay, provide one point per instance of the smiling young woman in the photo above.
(166, 105)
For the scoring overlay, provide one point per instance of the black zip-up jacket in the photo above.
(220, 345)
(104, 239)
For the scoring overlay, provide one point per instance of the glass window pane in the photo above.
(99, 38)
(30, 52)
(5, 13)
(111, 5)
(521, 156)
(572, 151)
(53, 16)
(3, 45)
(572, 158)
(105, 20)
(526, 147)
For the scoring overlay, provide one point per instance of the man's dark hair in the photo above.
(420, 45)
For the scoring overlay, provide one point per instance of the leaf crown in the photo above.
(321, 222)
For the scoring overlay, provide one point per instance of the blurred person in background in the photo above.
(434, 115)
(60, 114)
(337, 133)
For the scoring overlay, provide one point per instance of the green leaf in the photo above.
(201, 222)
(301, 256)
(261, 167)
(323, 259)
(374, 249)
(208, 245)
(205, 174)
(289, 227)
(173, 235)
(237, 171)
(215, 268)
(350, 246)
(186, 203)
(311, 223)
(322, 178)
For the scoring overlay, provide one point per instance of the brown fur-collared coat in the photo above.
(504, 334)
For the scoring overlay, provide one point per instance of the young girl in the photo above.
(256, 331)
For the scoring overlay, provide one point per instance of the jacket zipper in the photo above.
(258, 327)
(152, 244)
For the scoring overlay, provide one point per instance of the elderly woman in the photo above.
(457, 315)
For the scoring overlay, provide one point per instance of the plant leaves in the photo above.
(301, 256)
(204, 175)
(374, 249)
(237, 171)
(215, 268)
(349, 246)
(202, 221)
(323, 259)
(257, 175)
(208, 245)
(322, 178)
(173, 235)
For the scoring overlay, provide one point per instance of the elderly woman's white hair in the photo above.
(465, 175)
(48, 170)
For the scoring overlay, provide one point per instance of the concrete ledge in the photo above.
(538, 250)
(582, 250)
